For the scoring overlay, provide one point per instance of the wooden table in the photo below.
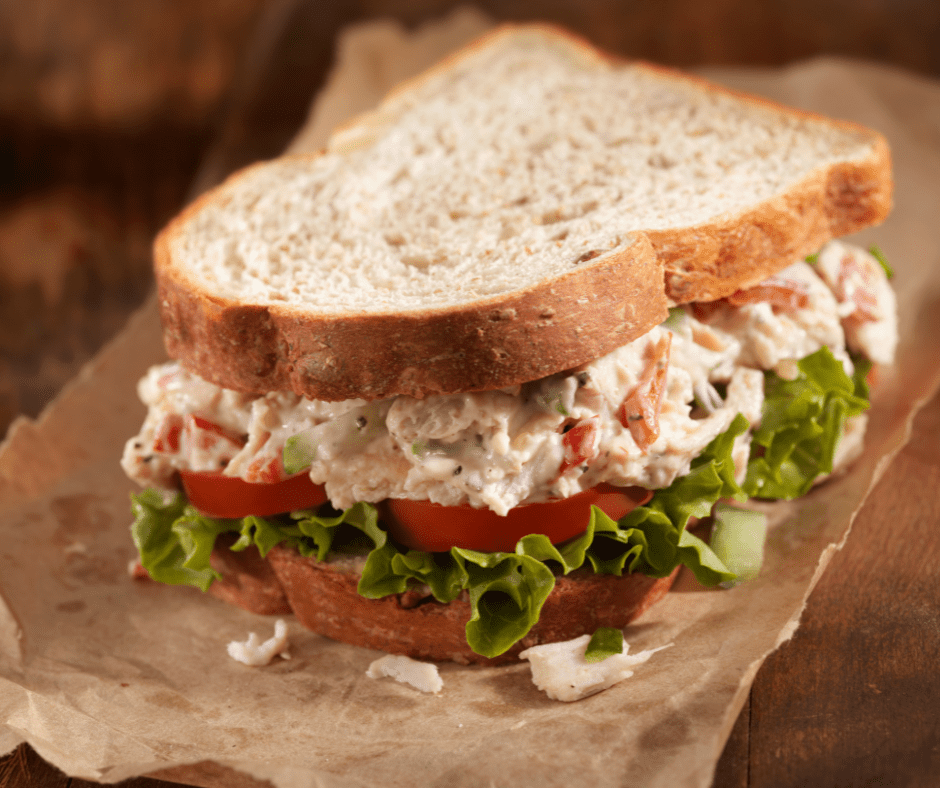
(852, 700)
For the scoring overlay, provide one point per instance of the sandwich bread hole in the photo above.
(589, 255)
(660, 161)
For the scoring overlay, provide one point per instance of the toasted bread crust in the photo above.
(711, 261)
(324, 597)
(524, 335)
(558, 324)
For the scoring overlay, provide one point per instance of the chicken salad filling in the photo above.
(638, 416)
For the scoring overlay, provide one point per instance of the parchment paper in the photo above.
(108, 678)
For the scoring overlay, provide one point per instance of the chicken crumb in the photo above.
(420, 675)
(256, 653)
(561, 671)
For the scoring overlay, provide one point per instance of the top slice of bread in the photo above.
(524, 207)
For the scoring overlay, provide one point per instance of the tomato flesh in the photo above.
(422, 525)
(228, 496)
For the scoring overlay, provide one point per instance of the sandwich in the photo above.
(482, 373)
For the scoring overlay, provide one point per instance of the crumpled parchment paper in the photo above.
(108, 677)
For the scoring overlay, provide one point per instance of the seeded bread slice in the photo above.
(524, 207)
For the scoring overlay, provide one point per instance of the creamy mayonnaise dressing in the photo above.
(551, 438)
(867, 303)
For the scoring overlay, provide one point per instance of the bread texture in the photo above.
(323, 596)
(246, 580)
(525, 207)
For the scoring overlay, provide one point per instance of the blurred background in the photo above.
(110, 109)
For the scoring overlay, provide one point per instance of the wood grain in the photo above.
(723, 32)
(857, 694)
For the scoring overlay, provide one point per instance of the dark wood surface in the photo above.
(852, 700)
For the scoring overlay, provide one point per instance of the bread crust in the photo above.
(247, 580)
(323, 596)
(711, 261)
(558, 324)
(555, 325)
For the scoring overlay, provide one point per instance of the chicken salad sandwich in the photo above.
(464, 382)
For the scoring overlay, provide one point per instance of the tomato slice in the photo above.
(228, 496)
(422, 525)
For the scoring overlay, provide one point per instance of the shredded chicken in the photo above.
(635, 417)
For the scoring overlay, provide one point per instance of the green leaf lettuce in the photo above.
(801, 425)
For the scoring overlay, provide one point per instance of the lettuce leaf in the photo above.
(604, 643)
(506, 591)
(738, 538)
(801, 425)
(175, 541)
(876, 252)
(653, 539)
(860, 376)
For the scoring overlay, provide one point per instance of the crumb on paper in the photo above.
(562, 673)
(76, 547)
(256, 653)
(420, 675)
(136, 570)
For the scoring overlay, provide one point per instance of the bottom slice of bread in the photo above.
(323, 596)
